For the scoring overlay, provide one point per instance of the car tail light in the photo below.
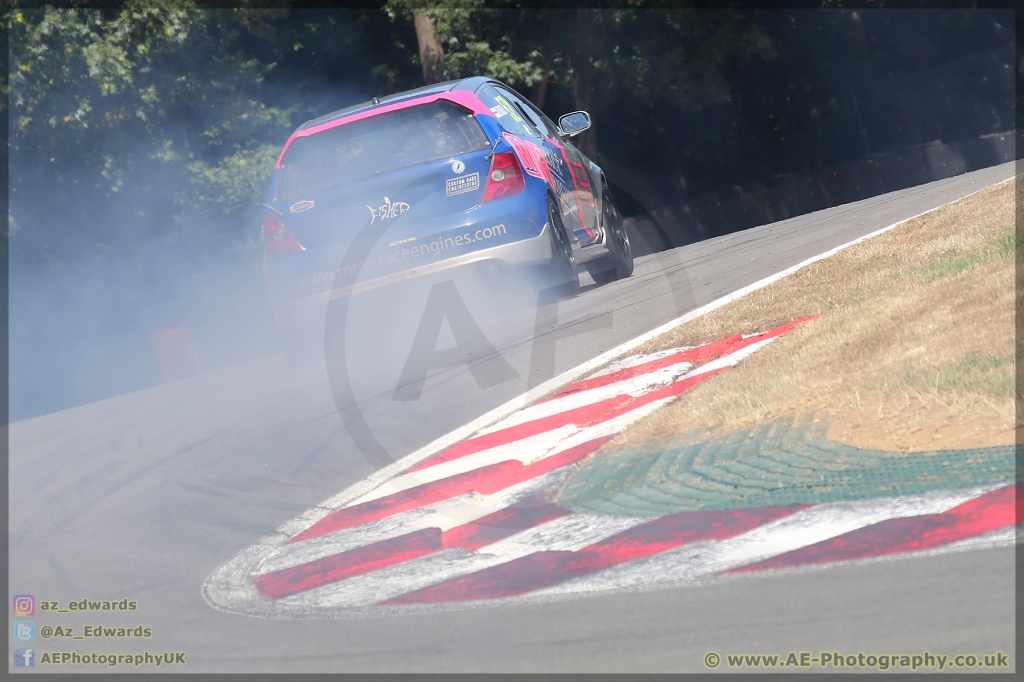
(504, 178)
(277, 239)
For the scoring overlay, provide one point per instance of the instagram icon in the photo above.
(24, 605)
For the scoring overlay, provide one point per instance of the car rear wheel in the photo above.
(563, 262)
(618, 264)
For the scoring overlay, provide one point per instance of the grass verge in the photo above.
(914, 349)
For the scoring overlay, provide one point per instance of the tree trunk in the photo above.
(431, 52)
(582, 70)
(540, 91)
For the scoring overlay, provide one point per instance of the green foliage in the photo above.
(149, 115)
(476, 40)
(235, 183)
(478, 58)
(143, 134)
(148, 120)
(953, 264)
(1010, 242)
(988, 374)
(679, 57)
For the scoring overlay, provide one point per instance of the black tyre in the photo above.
(563, 262)
(618, 264)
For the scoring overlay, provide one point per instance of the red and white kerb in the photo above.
(475, 522)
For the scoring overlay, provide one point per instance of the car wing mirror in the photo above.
(574, 123)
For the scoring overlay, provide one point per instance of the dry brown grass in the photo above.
(914, 349)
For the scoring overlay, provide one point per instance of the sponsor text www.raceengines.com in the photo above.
(433, 248)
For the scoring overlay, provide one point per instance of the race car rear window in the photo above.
(377, 144)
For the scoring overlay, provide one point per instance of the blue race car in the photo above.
(461, 174)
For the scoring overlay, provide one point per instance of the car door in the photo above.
(569, 166)
(518, 118)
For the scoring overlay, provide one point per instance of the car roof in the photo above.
(462, 84)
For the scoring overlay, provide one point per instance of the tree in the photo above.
(431, 51)
(582, 61)
(424, 15)
(135, 141)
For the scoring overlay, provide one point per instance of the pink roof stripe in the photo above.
(462, 97)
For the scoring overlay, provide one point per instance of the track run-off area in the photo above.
(214, 499)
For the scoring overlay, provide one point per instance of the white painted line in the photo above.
(634, 360)
(822, 522)
(568, 533)
(528, 449)
(393, 581)
(613, 425)
(229, 588)
(395, 526)
(732, 359)
(634, 386)
(566, 378)
(443, 515)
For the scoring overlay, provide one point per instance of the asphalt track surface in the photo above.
(144, 495)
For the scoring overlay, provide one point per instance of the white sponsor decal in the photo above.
(563, 191)
(458, 166)
(301, 206)
(498, 111)
(466, 183)
(402, 241)
(387, 210)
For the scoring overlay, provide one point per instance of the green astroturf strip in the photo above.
(788, 461)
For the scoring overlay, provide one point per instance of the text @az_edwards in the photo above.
(95, 632)
(836, 659)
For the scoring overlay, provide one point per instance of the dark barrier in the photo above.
(662, 224)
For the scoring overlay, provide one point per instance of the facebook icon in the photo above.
(24, 657)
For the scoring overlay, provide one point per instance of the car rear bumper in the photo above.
(521, 254)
